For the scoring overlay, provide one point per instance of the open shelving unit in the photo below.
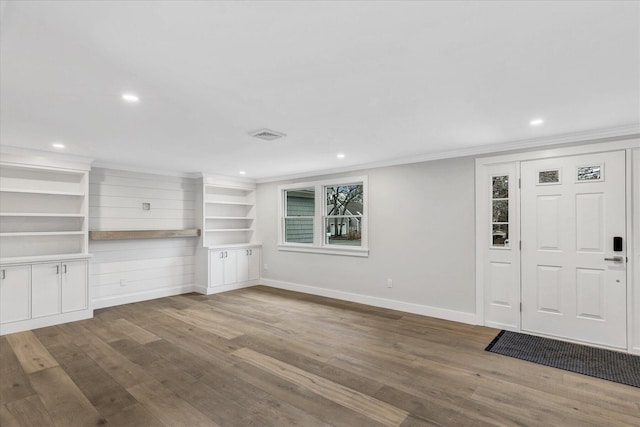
(43, 211)
(228, 214)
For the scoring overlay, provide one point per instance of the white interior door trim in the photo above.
(632, 145)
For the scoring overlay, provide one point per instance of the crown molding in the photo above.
(150, 171)
(622, 132)
(29, 152)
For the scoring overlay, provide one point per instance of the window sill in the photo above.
(351, 251)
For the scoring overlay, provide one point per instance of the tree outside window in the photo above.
(344, 214)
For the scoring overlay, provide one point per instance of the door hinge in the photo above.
(520, 307)
(520, 244)
(519, 182)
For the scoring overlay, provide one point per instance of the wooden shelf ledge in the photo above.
(142, 234)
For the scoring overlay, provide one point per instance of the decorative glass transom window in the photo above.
(589, 173)
(551, 176)
(325, 217)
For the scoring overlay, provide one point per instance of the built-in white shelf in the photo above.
(41, 233)
(43, 208)
(230, 217)
(43, 258)
(50, 192)
(229, 203)
(224, 230)
(47, 215)
(228, 213)
(235, 246)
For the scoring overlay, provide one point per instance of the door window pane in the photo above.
(500, 235)
(589, 173)
(500, 211)
(549, 177)
(500, 185)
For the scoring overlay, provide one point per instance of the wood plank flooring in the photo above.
(267, 357)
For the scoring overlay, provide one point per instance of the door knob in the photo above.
(614, 259)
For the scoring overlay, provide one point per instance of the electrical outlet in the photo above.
(266, 266)
(389, 283)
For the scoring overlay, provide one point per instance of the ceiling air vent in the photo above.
(267, 134)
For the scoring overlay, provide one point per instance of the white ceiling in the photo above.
(377, 81)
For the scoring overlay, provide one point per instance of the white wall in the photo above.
(421, 235)
(124, 271)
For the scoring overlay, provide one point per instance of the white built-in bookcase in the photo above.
(43, 242)
(43, 212)
(229, 214)
(229, 256)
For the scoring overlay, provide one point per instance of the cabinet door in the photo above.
(242, 267)
(230, 266)
(254, 264)
(74, 286)
(216, 268)
(15, 293)
(45, 289)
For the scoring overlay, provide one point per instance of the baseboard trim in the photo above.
(41, 322)
(111, 301)
(224, 288)
(424, 310)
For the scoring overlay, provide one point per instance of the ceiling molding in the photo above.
(622, 132)
(130, 168)
(30, 152)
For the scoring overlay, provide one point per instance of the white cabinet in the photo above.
(74, 286)
(222, 267)
(232, 266)
(254, 263)
(58, 288)
(45, 289)
(43, 294)
(15, 293)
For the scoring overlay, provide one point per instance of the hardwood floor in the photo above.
(266, 357)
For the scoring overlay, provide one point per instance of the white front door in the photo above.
(573, 282)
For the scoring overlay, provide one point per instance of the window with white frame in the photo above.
(325, 217)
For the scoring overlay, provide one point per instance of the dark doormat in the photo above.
(609, 365)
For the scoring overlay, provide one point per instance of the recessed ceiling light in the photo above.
(340, 156)
(536, 122)
(243, 172)
(130, 97)
(58, 145)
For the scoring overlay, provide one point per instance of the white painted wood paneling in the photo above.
(125, 271)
